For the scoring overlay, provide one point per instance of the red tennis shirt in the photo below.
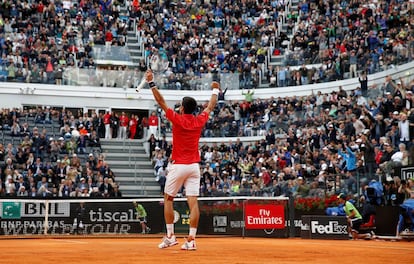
(186, 135)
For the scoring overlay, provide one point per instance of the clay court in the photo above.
(229, 250)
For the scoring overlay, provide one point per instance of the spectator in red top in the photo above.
(108, 40)
(40, 7)
(123, 125)
(378, 155)
(133, 122)
(49, 68)
(135, 5)
(153, 124)
(266, 177)
(83, 131)
(107, 122)
(144, 127)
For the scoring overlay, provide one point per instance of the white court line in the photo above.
(69, 241)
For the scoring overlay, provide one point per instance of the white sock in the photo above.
(193, 232)
(170, 229)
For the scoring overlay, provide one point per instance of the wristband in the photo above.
(216, 91)
(151, 84)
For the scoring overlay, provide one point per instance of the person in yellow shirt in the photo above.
(354, 219)
(142, 217)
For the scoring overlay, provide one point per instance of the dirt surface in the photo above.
(211, 250)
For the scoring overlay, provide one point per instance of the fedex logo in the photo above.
(333, 227)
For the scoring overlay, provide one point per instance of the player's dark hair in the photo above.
(189, 104)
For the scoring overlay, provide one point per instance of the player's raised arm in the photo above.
(149, 77)
(213, 100)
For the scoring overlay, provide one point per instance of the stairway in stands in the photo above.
(278, 60)
(135, 47)
(131, 166)
(133, 38)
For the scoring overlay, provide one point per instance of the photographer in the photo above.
(403, 193)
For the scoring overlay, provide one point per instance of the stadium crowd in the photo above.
(41, 40)
(34, 163)
(344, 39)
(311, 146)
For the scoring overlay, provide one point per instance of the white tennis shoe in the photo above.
(189, 245)
(168, 242)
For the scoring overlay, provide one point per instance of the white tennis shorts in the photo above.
(187, 175)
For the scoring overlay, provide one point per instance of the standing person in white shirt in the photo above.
(398, 159)
(404, 129)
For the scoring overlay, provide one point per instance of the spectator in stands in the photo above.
(161, 177)
(123, 126)
(107, 123)
(94, 141)
(115, 124)
(133, 123)
(153, 124)
(153, 144)
(81, 144)
(159, 160)
(106, 188)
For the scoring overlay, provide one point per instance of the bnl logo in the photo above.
(11, 210)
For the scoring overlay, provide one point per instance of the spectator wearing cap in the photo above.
(82, 184)
(354, 218)
(395, 116)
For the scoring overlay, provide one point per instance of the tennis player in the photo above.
(184, 168)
